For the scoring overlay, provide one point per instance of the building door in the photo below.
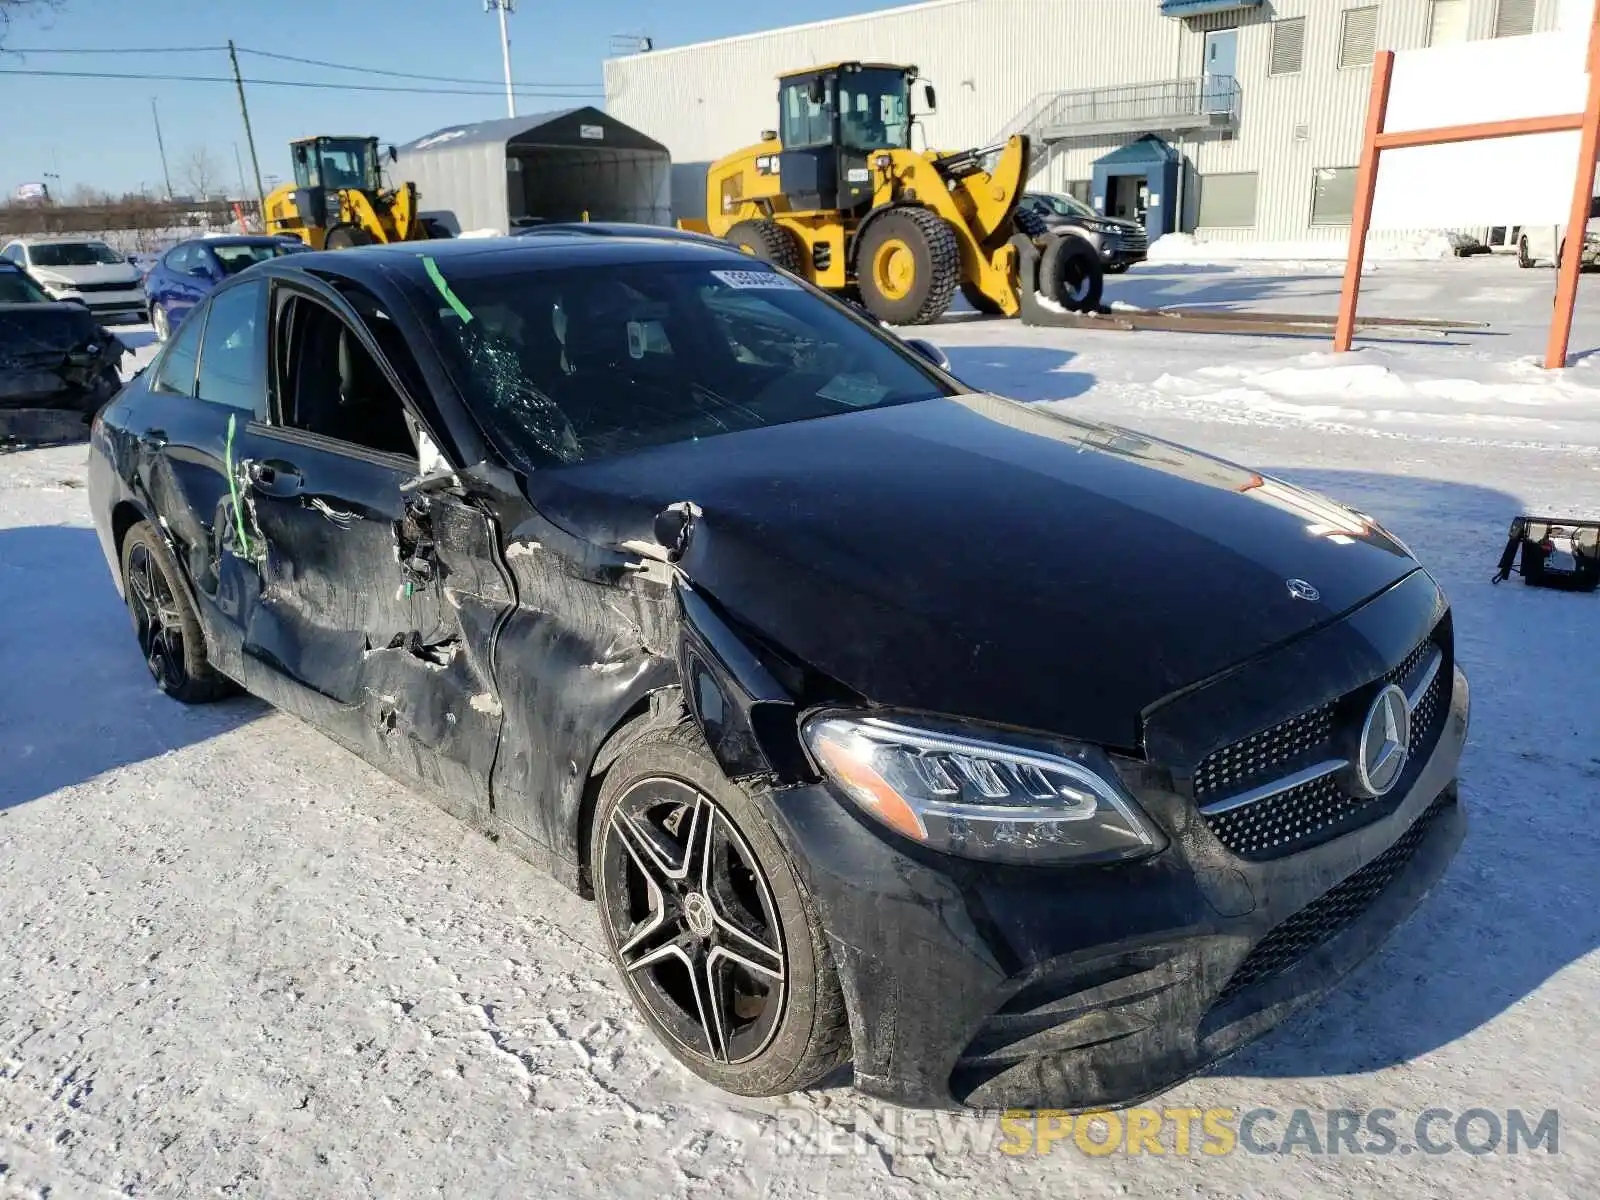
(1221, 65)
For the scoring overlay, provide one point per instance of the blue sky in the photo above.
(100, 132)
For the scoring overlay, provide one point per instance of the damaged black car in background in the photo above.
(1011, 758)
(57, 364)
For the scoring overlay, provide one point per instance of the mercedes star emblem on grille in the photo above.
(1385, 742)
(1299, 589)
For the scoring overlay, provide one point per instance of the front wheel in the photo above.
(908, 266)
(714, 936)
(1070, 275)
(345, 237)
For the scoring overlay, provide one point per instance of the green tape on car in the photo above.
(233, 487)
(450, 298)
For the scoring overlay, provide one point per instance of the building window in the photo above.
(1514, 18)
(1333, 195)
(1228, 201)
(1358, 36)
(1079, 189)
(1288, 46)
(1447, 22)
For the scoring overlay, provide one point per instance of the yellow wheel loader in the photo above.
(837, 195)
(338, 200)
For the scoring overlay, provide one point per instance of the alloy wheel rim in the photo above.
(156, 619)
(694, 923)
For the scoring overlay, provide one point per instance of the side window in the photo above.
(178, 360)
(332, 386)
(233, 352)
(177, 259)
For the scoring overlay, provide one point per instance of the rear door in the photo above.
(376, 604)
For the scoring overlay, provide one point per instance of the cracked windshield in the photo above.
(578, 365)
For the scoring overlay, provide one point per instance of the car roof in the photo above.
(476, 257)
(232, 239)
(56, 240)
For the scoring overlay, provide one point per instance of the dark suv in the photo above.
(688, 583)
(1120, 243)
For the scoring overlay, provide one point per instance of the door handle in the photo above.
(153, 439)
(275, 478)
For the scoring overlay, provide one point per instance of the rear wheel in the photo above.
(1070, 274)
(714, 937)
(768, 241)
(344, 237)
(169, 633)
(909, 266)
(1524, 259)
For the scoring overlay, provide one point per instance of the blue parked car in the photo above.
(184, 275)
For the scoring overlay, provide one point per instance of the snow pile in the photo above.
(1424, 246)
(1370, 391)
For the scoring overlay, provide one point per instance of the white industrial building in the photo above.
(1233, 119)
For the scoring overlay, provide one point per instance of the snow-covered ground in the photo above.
(235, 960)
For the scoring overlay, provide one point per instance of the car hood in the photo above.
(985, 558)
(99, 273)
(44, 332)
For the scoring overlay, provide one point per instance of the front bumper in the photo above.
(1079, 988)
(130, 303)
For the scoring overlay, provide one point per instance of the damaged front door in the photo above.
(371, 599)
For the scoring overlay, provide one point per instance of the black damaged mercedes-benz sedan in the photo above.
(1014, 759)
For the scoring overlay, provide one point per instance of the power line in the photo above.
(291, 58)
(317, 62)
(552, 92)
(115, 50)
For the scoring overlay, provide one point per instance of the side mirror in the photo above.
(769, 135)
(931, 97)
(930, 352)
(394, 155)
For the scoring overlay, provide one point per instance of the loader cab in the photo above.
(832, 119)
(336, 163)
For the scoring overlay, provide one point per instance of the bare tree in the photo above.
(199, 172)
(17, 8)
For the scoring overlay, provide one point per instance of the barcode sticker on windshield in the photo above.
(756, 279)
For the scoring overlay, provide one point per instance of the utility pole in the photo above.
(250, 138)
(503, 7)
(162, 146)
(240, 166)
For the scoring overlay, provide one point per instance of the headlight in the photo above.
(978, 798)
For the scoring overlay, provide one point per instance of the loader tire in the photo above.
(344, 237)
(768, 241)
(909, 266)
(978, 301)
(1071, 275)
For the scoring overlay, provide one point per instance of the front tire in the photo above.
(716, 940)
(346, 237)
(768, 241)
(169, 633)
(1524, 260)
(909, 266)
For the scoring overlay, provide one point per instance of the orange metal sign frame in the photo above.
(1376, 141)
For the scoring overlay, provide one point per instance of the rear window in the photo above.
(235, 258)
(578, 365)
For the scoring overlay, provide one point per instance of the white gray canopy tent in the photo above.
(555, 166)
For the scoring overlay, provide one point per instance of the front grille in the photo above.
(1324, 808)
(1333, 912)
(88, 288)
